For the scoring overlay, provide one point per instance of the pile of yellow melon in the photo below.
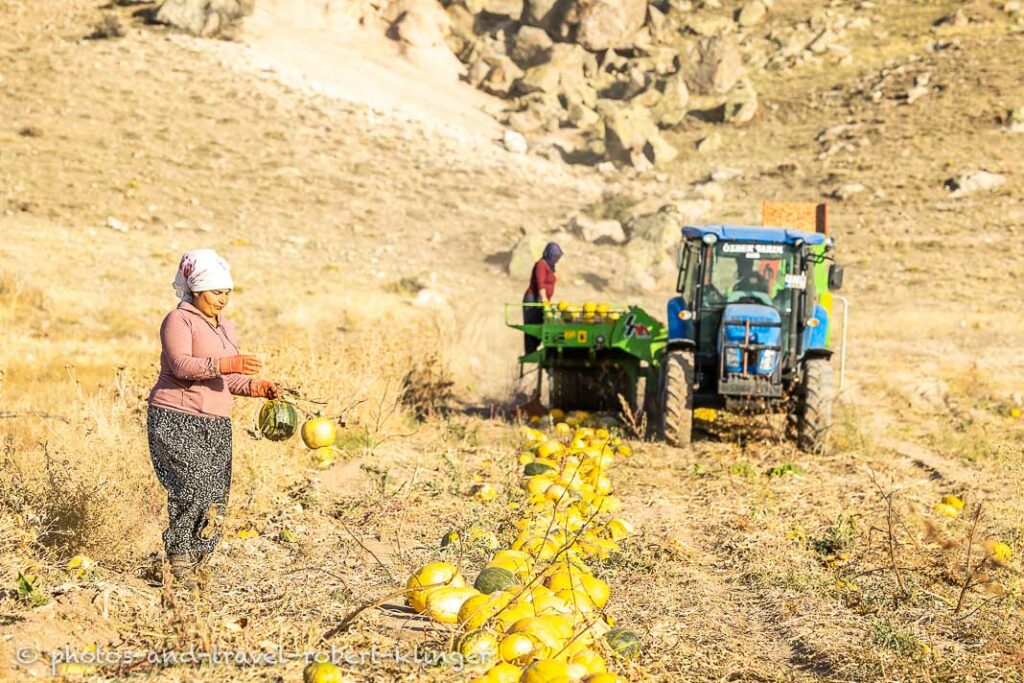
(536, 611)
(589, 313)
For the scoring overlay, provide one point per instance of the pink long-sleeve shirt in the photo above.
(190, 379)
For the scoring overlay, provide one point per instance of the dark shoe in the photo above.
(182, 571)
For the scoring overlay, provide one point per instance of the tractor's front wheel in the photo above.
(811, 415)
(677, 398)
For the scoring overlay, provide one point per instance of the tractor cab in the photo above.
(751, 316)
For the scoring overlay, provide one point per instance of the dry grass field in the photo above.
(752, 561)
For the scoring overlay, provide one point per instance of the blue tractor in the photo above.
(750, 329)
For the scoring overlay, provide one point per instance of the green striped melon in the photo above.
(494, 579)
(624, 642)
(535, 468)
(278, 420)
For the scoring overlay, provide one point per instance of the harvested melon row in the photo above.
(536, 611)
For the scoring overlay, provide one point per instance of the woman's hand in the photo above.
(245, 365)
(262, 388)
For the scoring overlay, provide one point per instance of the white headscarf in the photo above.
(201, 270)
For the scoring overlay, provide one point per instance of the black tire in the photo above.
(677, 398)
(811, 421)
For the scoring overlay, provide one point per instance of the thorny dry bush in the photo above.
(427, 387)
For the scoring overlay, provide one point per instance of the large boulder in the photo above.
(751, 14)
(419, 23)
(598, 231)
(525, 254)
(606, 24)
(742, 105)
(654, 237)
(502, 76)
(632, 137)
(670, 110)
(715, 66)
(539, 111)
(546, 14)
(974, 181)
(566, 74)
(531, 47)
(202, 17)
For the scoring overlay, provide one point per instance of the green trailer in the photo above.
(595, 356)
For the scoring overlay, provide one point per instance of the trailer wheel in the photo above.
(677, 398)
(811, 418)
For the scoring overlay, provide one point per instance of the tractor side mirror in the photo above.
(835, 277)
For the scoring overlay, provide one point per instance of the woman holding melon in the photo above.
(189, 418)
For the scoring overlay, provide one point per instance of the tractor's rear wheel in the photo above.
(677, 398)
(811, 416)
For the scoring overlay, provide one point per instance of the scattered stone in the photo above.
(658, 24)
(542, 111)
(671, 108)
(502, 75)
(109, 26)
(955, 20)
(823, 41)
(478, 73)
(584, 118)
(710, 25)
(712, 191)
(428, 298)
(726, 173)
(974, 181)
(595, 231)
(531, 47)
(751, 14)
(716, 65)
(847, 191)
(117, 225)
(916, 93)
(515, 142)
(1015, 120)
(742, 105)
(710, 143)
(607, 24)
(202, 17)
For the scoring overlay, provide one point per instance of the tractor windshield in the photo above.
(750, 272)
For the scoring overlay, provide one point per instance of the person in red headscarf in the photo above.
(540, 291)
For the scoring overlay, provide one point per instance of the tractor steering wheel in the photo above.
(748, 297)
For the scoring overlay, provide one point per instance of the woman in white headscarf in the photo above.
(189, 419)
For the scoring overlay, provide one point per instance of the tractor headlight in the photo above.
(733, 358)
(709, 238)
(767, 362)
